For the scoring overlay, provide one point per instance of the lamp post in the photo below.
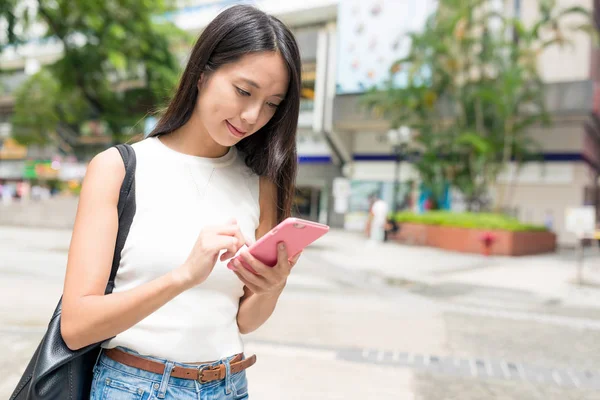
(399, 139)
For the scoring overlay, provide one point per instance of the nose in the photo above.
(251, 113)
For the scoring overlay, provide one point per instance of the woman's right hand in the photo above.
(203, 257)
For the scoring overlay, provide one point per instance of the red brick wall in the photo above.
(469, 240)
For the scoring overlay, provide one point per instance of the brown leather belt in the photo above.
(202, 375)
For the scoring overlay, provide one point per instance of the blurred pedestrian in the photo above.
(549, 220)
(8, 193)
(216, 172)
(36, 192)
(371, 199)
(379, 213)
(45, 192)
(391, 228)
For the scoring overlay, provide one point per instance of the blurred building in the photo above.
(345, 152)
(571, 149)
(541, 192)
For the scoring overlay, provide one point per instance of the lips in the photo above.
(234, 131)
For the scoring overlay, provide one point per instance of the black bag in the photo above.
(55, 371)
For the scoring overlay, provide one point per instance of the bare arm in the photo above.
(88, 316)
(255, 309)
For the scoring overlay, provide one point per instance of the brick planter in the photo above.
(469, 240)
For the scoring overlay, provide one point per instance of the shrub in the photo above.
(467, 220)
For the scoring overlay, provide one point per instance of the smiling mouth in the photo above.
(234, 131)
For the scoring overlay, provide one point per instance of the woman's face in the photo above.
(239, 98)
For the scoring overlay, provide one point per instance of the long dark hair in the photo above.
(240, 30)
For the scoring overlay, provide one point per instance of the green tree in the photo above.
(116, 66)
(13, 18)
(472, 91)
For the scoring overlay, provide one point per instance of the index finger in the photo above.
(232, 230)
(242, 239)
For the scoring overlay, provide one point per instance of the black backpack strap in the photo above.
(125, 207)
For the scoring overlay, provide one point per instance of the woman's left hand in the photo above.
(266, 280)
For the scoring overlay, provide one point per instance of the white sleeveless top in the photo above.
(176, 196)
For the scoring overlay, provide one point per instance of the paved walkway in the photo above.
(340, 332)
(55, 213)
(552, 276)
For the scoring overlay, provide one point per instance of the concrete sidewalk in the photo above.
(358, 339)
(552, 276)
(55, 213)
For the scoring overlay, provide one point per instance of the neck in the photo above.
(193, 139)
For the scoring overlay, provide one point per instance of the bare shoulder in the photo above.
(109, 161)
(105, 172)
(101, 184)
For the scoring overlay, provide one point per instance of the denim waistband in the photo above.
(151, 376)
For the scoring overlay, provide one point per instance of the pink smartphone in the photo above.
(296, 233)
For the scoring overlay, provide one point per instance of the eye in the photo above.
(242, 92)
(273, 105)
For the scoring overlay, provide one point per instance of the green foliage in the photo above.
(467, 220)
(472, 93)
(117, 66)
(41, 106)
(13, 18)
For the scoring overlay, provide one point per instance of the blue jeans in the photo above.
(116, 381)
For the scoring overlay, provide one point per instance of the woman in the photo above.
(216, 173)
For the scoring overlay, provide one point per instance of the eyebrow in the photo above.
(252, 83)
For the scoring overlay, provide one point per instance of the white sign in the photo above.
(341, 187)
(340, 205)
(341, 194)
(581, 221)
